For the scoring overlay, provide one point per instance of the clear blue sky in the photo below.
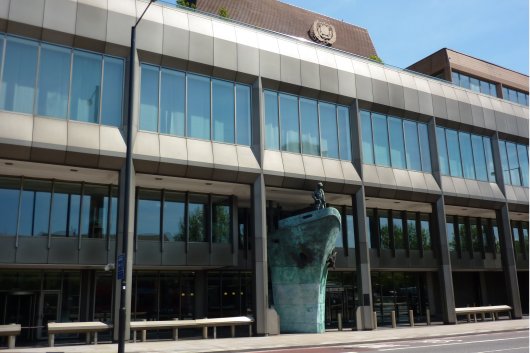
(404, 31)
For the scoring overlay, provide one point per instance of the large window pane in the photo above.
(271, 121)
(456, 78)
(484, 87)
(425, 231)
(465, 246)
(35, 208)
(495, 231)
(522, 153)
(479, 158)
(451, 239)
(412, 232)
(174, 227)
(467, 155)
(113, 227)
(289, 132)
(475, 235)
(112, 100)
(94, 214)
(366, 126)
(442, 151)
(221, 219)
(243, 115)
(504, 163)
(172, 101)
(329, 143)
(384, 234)
(59, 216)
(148, 215)
(86, 87)
(397, 227)
(18, 77)
(54, 78)
(486, 240)
(424, 148)
(382, 155)
(223, 111)
(474, 84)
(198, 107)
(197, 218)
(9, 196)
(309, 121)
(493, 90)
(412, 145)
(370, 225)
(149, 99)
(350, 236)
(489, 158)
(453, 149)
(343, 117)
(397, 146)
(464, 81)
(513, 163)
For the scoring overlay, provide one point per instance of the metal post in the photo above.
(411, 318)
(339, 321)
(428, 316)
(393, 317)
(374, 318)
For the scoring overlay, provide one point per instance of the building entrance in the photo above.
(340, 299)
(49, 311)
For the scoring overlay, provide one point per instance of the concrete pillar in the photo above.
(508, 262)
(362, 263)
(261, 277)
(430, 293)
(200, 290)
(444, 262)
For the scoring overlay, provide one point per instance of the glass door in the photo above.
(49, 309)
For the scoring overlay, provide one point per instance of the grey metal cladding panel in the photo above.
(402, 179)
(147, 253)
(91, 20)
(473, 188)
(351, 176)
(16, 129)
(60, 15)
(426, 103)
(50, 133)
(447, 185)
(221, 255)
(453, 110)
(333, 170)
(111, 142)
(173, 149)
(521, 194)
(174, 254)
(329, 80)
(4, 9)
(246, 160)
(347, 84)
(439, 106)
(500, 121)
(461, 187)
(412, 100)
(269, 65)
(7, 249)
(27, 11)
(363, 85)
(121, 16)
(273, 163)
(489, 119)
(466, 116)
(478, 116)
(225, 55)
(201, 48)
(93, 251)
(310, 74)
(176, 34)
(417, 181)
(510, 193)
(431, 183)
(247, 51)
(83, 137)
(396, 96)
(387, 181)
(522, 127)
(485, 190)
(63, 250)
(32, 250)
(150, 32)
(511, 124)
(370, 176)
(290, 70)
(380, 92)
(294, 170)
(496, 191)
(224, 156)
(146, 146)
(198, 254)
(313, 167)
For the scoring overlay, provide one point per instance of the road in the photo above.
(502, 342)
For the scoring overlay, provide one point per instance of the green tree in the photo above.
(376, 59)
(186, 3)
(223, 12)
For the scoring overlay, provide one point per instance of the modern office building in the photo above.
(233, 127)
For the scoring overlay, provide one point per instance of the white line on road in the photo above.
(455, 343)
(505, 349)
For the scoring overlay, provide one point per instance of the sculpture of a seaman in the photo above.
(319, 197)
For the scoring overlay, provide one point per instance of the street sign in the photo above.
(121, 267)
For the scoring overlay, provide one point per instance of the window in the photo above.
(343, 118)
(474, 84)
(370, 221)
(198, 104)
(367, 144)
(514, 95)
(380, 137)
(442, 150)
(86, 84)
(412, 143)
(397, 145)
(223, 110)
(328, 130)
(495, 231)
(465, 246)
(65, 211)
(54, 79)
(489, 159)
(467, 155)
(243, 114)
(350, 236)
(476, 236)
(397, 230)
(486, 239)
(453, 150)
(172, 102)
(522, 154)
(479, 158)
(221, 219)
(290, 132)
(411, 232)
(18, 76)
(424, 148)
(9, 199)
(94, 211)
(504, 163)
(174, 225)
(148, 215)
(513, 163)
(425, 222)
(309, 126)
(384, 234)
(197, 211)
(112, 101)
(272, 132)
(451, 238)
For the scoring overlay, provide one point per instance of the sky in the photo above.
(405, 31)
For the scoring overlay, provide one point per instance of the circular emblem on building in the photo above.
(322, 32)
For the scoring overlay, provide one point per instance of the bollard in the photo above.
(374, 318)
(144, 333)
(428, 316)
(339, 321)
(411, 318)
(393, 317)
(175, 332)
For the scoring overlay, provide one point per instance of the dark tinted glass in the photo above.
(412, 232)
(94, 214)
(397, 224)
(221, 220)
(9, 196)
(174, 227)
(197, 218)
(148, 215)
(425, 231)
(384, 234)
(451, 239)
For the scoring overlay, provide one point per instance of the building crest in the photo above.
(322, 32)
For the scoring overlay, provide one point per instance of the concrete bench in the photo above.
(175, 324)
(76, 327)
(493, 310)
(11, 331)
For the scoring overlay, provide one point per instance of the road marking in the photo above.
(380, 345)
(505, 349)
(454, 343)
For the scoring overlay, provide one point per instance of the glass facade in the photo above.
(514, 161)
(474, 84)
(391, 141)
(169, 216)
(37, 79)
(465, 155)
(470, 234)
(32, 207)
(515, 96)
(188, 105)
(296, 124)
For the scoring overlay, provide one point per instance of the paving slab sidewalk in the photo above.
(241, 344)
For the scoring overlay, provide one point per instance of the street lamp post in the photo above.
(121, 261)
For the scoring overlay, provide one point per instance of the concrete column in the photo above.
(444, 262)
(430, 293)
(261, 278)
(362, 263)
(508, 262)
